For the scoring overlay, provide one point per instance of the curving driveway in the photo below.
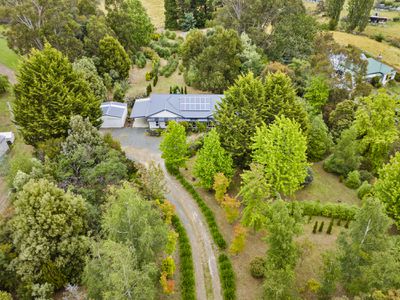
(144, 149)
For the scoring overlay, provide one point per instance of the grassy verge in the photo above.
(187, 283)
(8, 57)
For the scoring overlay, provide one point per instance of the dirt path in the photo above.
(9, 73)
(208, 284)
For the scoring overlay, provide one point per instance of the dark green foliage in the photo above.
(257, 267)
(359, 13)
(315, 227)
(329, 231)
(96, 30)
(149, 89)
(227, 276)
(333, 10)
(341, 211)
(130, 23)
(120, 89)
(347, 224)
(113, 59)
(207, 212)
(140, 60)
(4, 84)
(48, 94)
(170, 67)
(353, 180)
(321, 227)
(212, 62)
(319, 140)
(171, 14)
(339, 222)
(342, 117)
(155, 80)
(187, 284)
(300, 30)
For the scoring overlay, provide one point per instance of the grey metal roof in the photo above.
(191, 106)
(114, 109)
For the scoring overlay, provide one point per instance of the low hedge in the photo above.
(341, 211)
(207, 212)
(170, 67)
(187, 284)
(227, 276)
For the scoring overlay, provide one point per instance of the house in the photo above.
(114, 114)
(6, 139)
(156, 111)
(375, 19)
(375, 68)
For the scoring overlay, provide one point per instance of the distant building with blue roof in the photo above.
(114, 114)
(155, 111)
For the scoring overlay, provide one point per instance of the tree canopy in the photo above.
(173, 146)
(48, 93)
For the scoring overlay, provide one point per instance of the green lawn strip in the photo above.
(8, 57)
(187, 284)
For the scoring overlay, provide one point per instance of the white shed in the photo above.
(114, 114)
(3, 146)
(9, 136)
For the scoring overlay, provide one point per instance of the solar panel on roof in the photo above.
(195, 104)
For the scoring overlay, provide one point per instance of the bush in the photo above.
(353, 180)
(376, 82)
(341, 211)
(170, 67)
(155, 81)
(257, 267)
(309, 178)
(149, 89)
(366, 176)
(170, 34)
(149, 76)
(321, 226)
(4, 84)
(364, 190)
(150, 54)
(163, 52)
(378, 37)
(397, 77)
(140, 60)
(187, 284)
(227, 277)
(5, 296)
(207, 212)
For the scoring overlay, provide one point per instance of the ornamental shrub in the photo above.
(364, 189)
(315, 227)
(321, 227)
(353, 180)
(257, 267)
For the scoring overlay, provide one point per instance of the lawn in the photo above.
(138, 83)
(390, 54)
(389, 31)
(325, 187)
(8, 57)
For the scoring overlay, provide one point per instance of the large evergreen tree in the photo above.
(113, 60)
(240, 112)
(48, 94)
(171, 14)
(49, 228)
(212, 159)
(319, 140)
(281, 149)
(333, 10)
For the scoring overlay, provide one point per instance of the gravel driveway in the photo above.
(144, 149)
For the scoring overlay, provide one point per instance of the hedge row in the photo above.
(340, 211)
(187, 284)
(208, 214)
(227, 276)
(170, 67)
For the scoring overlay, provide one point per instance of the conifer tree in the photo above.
(333, 10)
(113, 59)
(281, 150)
(171, 14)
(212, 159)
(319, 140)
(48, 94)
(359, 13)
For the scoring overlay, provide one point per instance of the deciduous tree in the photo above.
(317, 93)
(173, 146)
(212, 159)
(281, 150)
(49, 92)
(231, 207)
(342, 117)
(359, 13)
(239, 240)
(333, 10)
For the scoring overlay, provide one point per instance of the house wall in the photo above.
(113, 122)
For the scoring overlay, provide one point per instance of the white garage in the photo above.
(114, 114)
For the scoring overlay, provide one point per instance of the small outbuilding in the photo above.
(6, 139)
(114, 114)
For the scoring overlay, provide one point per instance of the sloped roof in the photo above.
(191, 106)
(114, 109)
(375, 66)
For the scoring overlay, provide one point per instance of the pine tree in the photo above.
(319, 140)
(321, 226)
(212, 159)
(48, 94)
(171, 14)
(315, 227)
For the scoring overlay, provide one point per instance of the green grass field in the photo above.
(8, 57)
